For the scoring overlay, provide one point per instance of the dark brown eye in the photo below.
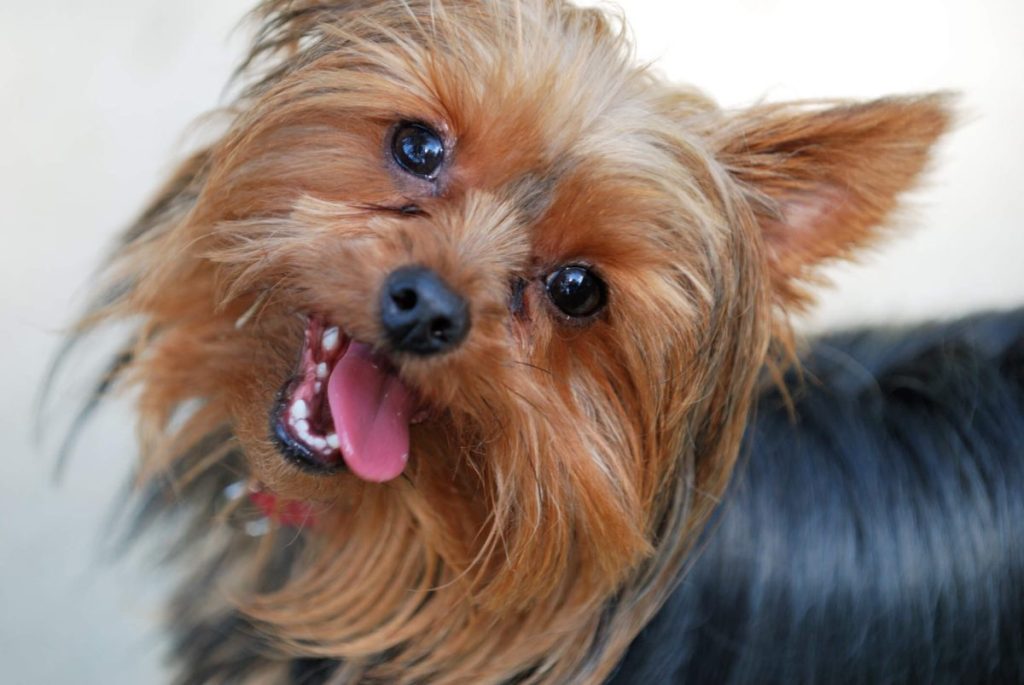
(417, 149)
(576, 291)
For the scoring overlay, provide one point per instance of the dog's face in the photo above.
(495, 300)
(500, 280)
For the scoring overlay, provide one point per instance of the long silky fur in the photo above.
(548, 508)
(874, 528)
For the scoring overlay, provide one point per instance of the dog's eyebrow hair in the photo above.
(534, 193)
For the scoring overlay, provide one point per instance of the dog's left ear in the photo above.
(823, 180)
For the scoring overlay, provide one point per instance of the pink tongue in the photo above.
(371, 409)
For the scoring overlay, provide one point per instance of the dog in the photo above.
(444, 350)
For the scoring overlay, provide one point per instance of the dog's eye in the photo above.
(417, 149)
(576, 291)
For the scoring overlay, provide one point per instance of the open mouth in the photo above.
(345, 407)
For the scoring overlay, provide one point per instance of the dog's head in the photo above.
(494, 300)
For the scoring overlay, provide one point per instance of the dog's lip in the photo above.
(295, 451)
(302, 422)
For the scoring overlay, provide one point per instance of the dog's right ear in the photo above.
(822, 180)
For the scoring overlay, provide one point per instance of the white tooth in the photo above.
(333, 441)
(303, 428)
(321, 370)
(330, 339)
(299, 409)
(319, 386)
(318, 443)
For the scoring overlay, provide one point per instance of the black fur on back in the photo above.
(878, 536)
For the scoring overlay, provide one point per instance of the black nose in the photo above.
(420, 314)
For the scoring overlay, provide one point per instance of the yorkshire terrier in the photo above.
(447, 346)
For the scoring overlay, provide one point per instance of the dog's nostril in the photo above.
(405, 299)
(440, 327)
(420, 314)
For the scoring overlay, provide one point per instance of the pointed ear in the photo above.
(822, 181)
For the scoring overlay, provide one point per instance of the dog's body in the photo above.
(465, 312)
(875, 532)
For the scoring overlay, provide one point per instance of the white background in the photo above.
(95, 97)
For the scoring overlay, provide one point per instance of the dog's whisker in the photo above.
(248, 314)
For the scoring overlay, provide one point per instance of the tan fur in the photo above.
(549, 503)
